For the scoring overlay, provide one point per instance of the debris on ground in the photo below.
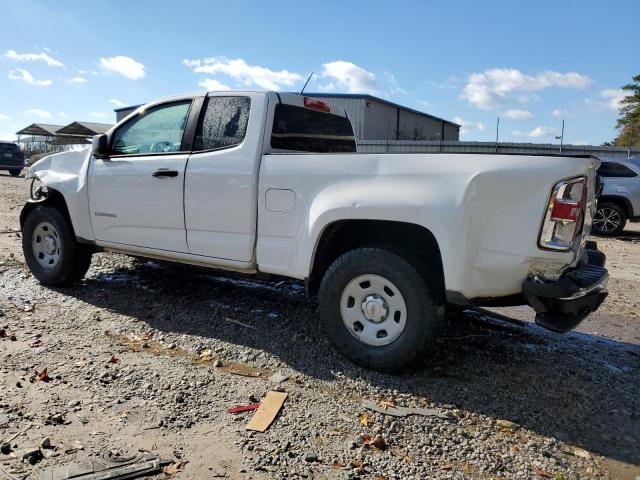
(245, 370)
(267, 412)
(278, 377)
(173, 467)
(238, 322)
(387, 408)
(109, 467)
(244, 408)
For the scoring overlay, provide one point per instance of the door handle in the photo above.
(165, 172)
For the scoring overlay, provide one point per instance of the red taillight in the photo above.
(563, 220)
(566, 210)
(316, 104)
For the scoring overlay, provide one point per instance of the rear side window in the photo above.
(223, 122)
(9, 148)
(616, 170)
(305, 130)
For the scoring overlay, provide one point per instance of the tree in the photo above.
(629, 121)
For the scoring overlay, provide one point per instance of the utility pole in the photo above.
(497, 133)
(562, 136)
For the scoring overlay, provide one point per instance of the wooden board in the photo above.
(269, 408)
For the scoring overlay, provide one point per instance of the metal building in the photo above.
(42, 137)
(374, 118)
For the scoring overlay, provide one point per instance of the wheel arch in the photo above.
(410, 240)
(54, 199)
(622, 202)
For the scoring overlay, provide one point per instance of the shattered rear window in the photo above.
(223, 123)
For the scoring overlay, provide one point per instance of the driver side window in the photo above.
(157, 130)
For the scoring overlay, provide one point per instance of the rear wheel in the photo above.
(15, 172)
(378, 310)
(609, 220)
(50, 249)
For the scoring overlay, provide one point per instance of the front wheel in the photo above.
(50, 249)
(378, 310)
(15, 172)
(609, 220)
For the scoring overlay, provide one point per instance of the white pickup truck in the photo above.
(271, 183)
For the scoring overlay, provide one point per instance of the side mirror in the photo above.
(100, 145)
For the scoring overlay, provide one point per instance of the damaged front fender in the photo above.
(61, 179)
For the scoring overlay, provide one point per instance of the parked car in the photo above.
(619, 201)
(271, 183)
(11, 158)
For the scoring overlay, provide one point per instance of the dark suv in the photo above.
(619, 201)
(11, 158)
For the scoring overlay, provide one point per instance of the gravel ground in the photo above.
(145, 356)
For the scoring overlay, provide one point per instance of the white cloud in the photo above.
(467, 127)
(558, 113)
(451, 83)
(516, 114)
(579, 142)
(99, 115)
(23, 75)
(4, 116)
(246, 74)
(210, 84)
(37, 112)
(63, 115)
(611, 99)
(537, 132)
(347, 77)
(117, 103)
(424, 103)
(78, 80)
(33, 57)
(125, 66)
(394, 86)
(493, 87)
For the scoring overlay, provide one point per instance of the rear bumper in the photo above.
(6, 166)
(561, 305)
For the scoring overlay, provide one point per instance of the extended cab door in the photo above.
(136, 194)
(221, 181)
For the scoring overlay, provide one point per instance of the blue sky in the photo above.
(531, 63)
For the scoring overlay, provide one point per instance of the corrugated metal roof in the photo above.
(85, 129)
(44, 129)
(381, 100)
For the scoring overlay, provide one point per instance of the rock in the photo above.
(28, 452)
(217, 363)
(74, 403)
(219, 474)
(311, 456)
(5, 449)
(278, 377)
(45, 443)
(507, 425)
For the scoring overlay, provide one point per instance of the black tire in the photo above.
(609, 220)
(73, 259)
(15, 172)
(424, 315)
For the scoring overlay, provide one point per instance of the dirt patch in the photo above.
(514, 401)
